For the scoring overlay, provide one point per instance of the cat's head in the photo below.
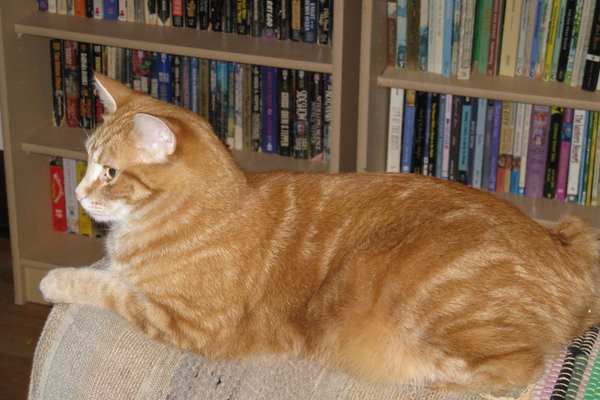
(147, 148)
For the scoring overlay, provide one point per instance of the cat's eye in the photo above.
(109, 174)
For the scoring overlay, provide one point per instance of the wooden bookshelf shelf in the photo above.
(57, 250)
(69, 143)
(181, 41)
(516, 89)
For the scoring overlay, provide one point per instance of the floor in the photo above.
(20, 327)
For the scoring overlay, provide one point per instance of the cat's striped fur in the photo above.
(391, 277)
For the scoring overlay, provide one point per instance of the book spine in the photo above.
(85, 222)
(446, 38)
(423, 34)
(270, 137)
(495, 145)
(529, 35)
(408, 131)
(463, 151)
(484, 35)
(553, 28)
(256, 108)
(247, 106)
(296, 21)
(556, 117)
(574, 41)
(285, 143)
(57, 188)
(577, 141)
(194, 84)
(472, 141)
(447, 136)
(71, 81)
(434, 119)
(455, 137)
(585, 158)
(230, 94)
(412, 33)
(558, 40)
(537, 151)
(325, 22)
(191, 13)
(466, 41)
(592, 59)
(61, 7)
(522, 37)
(593, 141)
(439, 156)
(525, 147)
(457, 33)
(269, 22)
(510, 38)
(98, 66)
(309, 21)
(567, 38)
(596, 172)
(492, 66)
(238, 139)
(543, 38)
(426, 134)
(536, 40)
(43, 5)
(86, 94)
(164, 13)
(587, 14)
(487, 144)
(301, 122)
(165, 92)
(58, 95)
(79, 8)
(110, 10)
(401, 34)
(122, 11)
(418, 132)
(479, 143)
(392, 7)
(72, 207)
(177, 18)
(327, 115)
(212, 10)
(519, 110)
(241, 17)
(316, 117)
(566, 132)
(176, 81)
(186, 85)
(504, 169)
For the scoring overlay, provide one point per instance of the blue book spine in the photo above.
(401, 27)
(440, 136)
(111, 10)
(223, 74)
(269, 140)
(447, 42)
(154, 69)
(495, 145)
(43, 5)
(409, 132)
(584, 159)
(194, 69)
(472, 135)
(535, 42)
(479, 142)
(426, 138)
(423, 46)
(463, 144)
(309, 26)
(165, 90)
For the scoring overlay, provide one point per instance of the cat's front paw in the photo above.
(57, 285)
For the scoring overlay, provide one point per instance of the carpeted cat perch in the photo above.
(86, 353)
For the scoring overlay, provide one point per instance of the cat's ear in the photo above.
(153, 137)
(112, 94)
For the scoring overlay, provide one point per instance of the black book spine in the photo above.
(296, 19)
(419, 138)
(229, 16)
(97, 66)
(301, 121)
(89, 8)
(256, 108)
(284, 20)
(191, 13)
(257, 19)
(553, 153)
(176, 79)
(164, 10)
(455, 137)
(433, 133)
(324, 22)
(472, 136)
(58, 94)
(310, 21)
(565, 43)
(86, 94)
(285, 100)
(242, 17)
(316, 116)
(270, 24)
(592, 59)
(216, 10)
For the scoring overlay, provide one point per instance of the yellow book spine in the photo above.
(552, 33)
(510, 38)
(85, 222)
(592, 162)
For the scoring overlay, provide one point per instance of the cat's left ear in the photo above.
(112, 94)
(153, 137)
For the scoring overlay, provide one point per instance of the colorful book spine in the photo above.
(519, 122)
(71, 81)
(285, 118)
(495, 145)
(483, 35)
(401, 33)
(58, 95)
(523, 37)
(301, 123)
(423, 34)
(419, 132)
(503, 172)
(543, 38)
(177, 18)
(87, 119)
(408, 130)
(566, 133)
(111, 10)
(525, 147)
(296, 21)
(537, 151)
(412, 33)
(439, 156)
(554, 142)
(325, 22)
(463, 151)
(593, 140)
(585, 159)
(57, 188)
(316, 117)
(457, 26)
(85, 222)
(559, 36)
(165, 91)
(576, 153)
(494, 46)
(394, 145)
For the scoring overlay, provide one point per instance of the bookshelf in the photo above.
(376, 78)
(30, 139)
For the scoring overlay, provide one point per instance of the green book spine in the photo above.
(483, 34)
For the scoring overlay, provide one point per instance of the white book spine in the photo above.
(61, 7)
(524, 147)
(479, 143)
(531, 15)
(466, 40)
(52, 6)
(579, 123)
(582, 42)
(238, 140)
(111, 62)
(423, 32)
(70, 7)
(544, 39)
(396, 118)
(98, 9)
(519, 113)
(130, 7)
(446, 136)
(432, 32)
(123, 10)
(520, 64)
(70, 177)
(438, 40)
(596, 183)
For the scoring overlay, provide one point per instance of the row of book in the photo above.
(499, 146)
(67, 215)
(309, 21)
(552, 40)
(250, 107)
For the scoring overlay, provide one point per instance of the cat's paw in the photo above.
(56, 286)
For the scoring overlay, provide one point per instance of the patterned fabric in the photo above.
(86, 353)
(575, 374)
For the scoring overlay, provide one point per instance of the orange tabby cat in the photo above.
(390, 277)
